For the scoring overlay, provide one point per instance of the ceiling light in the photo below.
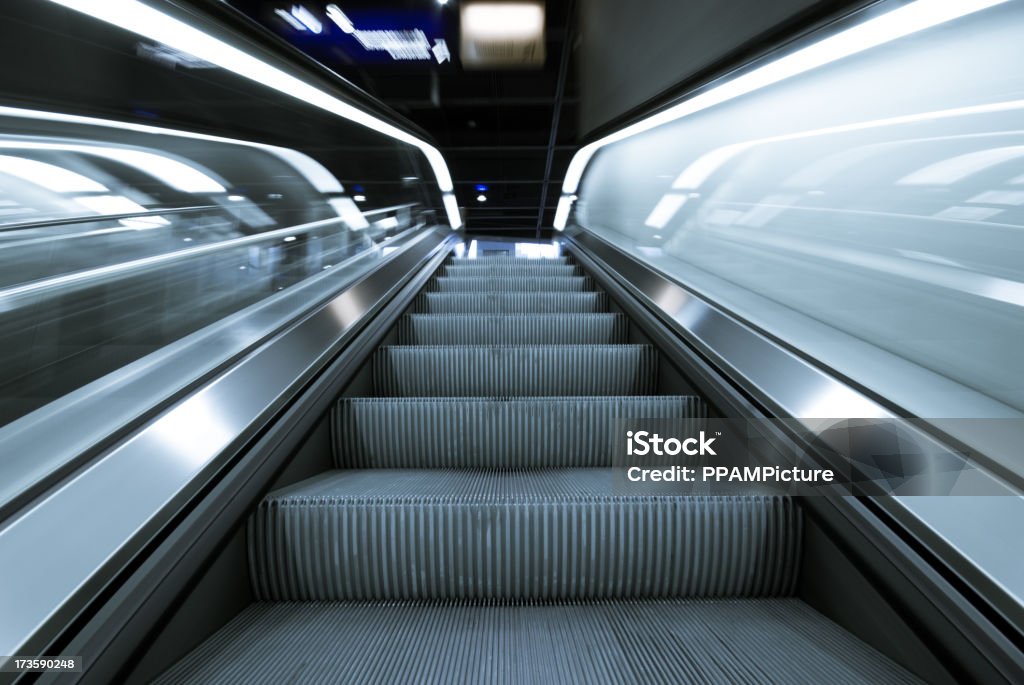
(501, 34)
(504, 20)
(339, 18)
(410, 44)
(902, 21)
(144, 20)
(441, 52)
(307, 18)
(292, 21)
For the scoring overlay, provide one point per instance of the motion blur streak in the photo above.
(898, 23)
(174, 173)
(146, 21)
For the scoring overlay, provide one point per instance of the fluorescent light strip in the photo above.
(955, 169)
(307, 19)
(934, 115)
(699, 170)
(562, 211)
(451, 206)
(155, 25)
(173, 173)
(665, 210)
(903, 21)
(310, 169)
(339, 18)
(178, 175)
(702, 168)
(316, 173)
(54, 178)
(292, 21)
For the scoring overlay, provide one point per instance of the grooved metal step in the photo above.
(510, 303)
(476, 539)
(448, 284)
(716, 642)
(552, 534)
(514, 371)
(512, 268)
(487, 259)
(500, 434)
(512, 329)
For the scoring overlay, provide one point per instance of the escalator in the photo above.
(266, 415)
(473, 528)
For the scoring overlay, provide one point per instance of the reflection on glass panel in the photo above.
(143, 199)
(870, 213)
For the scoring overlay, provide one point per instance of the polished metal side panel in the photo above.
(59, 552)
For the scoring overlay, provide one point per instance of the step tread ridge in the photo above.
(510, 302)
(566, 533)
(634, 641)
(479, 329)
(477, 432)
(471, 284)
(514, 370)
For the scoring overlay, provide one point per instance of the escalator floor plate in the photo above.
(644, 641)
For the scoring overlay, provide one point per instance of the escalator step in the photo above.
(510, 303)
(518, 268)
(552, 534)
(716, 642)
(517, 329)
(502, 259)
(514, 371)
(447, 284)
(489, 433)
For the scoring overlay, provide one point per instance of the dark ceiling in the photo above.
(493, 126)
